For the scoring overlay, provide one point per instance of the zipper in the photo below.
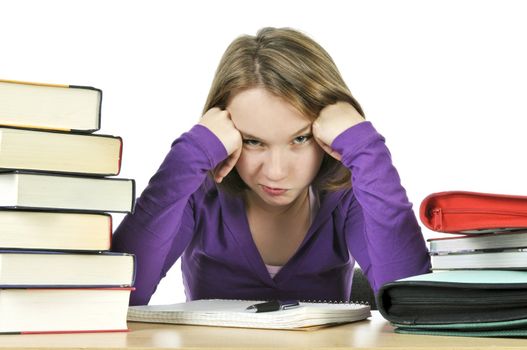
(438, 214)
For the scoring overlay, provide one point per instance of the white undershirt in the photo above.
(314, 204)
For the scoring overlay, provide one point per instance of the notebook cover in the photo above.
(516, 328)
(455, 297)
(475, 326)
(510, 333)
(471, 279)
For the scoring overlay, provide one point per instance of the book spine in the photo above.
(100, 106)
(111, 231)
(132, 205)
(120, 155)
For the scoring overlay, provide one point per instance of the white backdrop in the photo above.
(444, 81)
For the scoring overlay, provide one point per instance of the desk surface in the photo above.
(374, 333)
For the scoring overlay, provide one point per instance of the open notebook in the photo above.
(232, 313)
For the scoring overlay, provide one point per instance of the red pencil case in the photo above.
(459, 211)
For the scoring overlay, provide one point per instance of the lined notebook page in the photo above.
(232, 313)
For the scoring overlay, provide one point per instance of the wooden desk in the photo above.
(374, 333)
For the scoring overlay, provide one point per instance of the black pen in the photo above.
(273, 305)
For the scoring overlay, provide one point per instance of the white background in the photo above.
(444, 81)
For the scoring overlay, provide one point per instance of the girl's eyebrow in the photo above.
(302, 130)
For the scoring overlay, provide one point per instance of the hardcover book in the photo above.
(23, 229)
(28, 190)
(514, 259)
(48, 106)
(468, 243)
(60, 152)
(31, 269)
(26, 311)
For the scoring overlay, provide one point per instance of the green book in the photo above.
(479, 303)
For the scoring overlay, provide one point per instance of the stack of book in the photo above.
(482, 231)
(56, 271)
(494, 249)
(479, 280)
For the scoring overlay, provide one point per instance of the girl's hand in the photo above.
(220, 124)
(331, 122)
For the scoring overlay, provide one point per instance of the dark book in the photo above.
(485, 303)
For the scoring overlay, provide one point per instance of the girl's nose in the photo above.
(275, 167)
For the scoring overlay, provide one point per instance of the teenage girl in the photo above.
(278, 190)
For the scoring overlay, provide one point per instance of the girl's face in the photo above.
(280, 158)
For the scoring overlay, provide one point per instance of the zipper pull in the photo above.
(437, 219)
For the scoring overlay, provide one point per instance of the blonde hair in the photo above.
(294, 67)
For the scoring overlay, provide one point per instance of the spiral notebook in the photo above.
(233, 313)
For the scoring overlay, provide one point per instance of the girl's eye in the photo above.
(250, 142)
(302, 139)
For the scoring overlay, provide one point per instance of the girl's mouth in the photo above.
(273, 191)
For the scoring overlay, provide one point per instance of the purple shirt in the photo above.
(181, 213)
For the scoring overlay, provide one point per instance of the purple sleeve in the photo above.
(382, 231)
(165, 206)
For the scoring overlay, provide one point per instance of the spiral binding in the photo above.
(319, 301)
(335, 302)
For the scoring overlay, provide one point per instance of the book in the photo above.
(515, 259)
(55, 151)
(23, 229)
(50, 106)
(467, 243)
(29, 311)
(31, 269)
(233, 313)
(461, 303)
(51, 191)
